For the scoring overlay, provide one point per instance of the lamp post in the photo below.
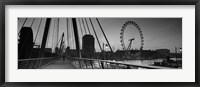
(176, 53)
(106, 46)
(176, 50)
(180, 50)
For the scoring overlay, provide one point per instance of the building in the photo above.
(162, 53)
(88, 46)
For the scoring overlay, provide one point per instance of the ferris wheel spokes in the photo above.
(127, 50)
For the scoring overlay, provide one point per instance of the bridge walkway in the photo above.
(59, 64)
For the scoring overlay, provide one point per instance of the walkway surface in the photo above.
(59, 64)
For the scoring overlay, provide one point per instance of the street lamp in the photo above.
(180, 50)
(106, 46)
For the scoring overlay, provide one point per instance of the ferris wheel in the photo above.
(127, 49)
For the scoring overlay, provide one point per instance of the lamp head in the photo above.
(106, 46)
(180, 49)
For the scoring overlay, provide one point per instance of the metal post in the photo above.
(102, 65)
(80, 64)
(86, 64)
(91, 64)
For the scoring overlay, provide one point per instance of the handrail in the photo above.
(118, 63)
(36, 59)
(34, 63)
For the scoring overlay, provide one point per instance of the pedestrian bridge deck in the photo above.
(59, 64)
(94, 64)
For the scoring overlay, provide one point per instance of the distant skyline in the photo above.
(158, 33)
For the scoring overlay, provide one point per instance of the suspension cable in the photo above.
(87, 25)
(68, 32)
(84, 26)
(104, 34)
(95, 34)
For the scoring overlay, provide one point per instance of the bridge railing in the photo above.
(34, 63)
(86, 63)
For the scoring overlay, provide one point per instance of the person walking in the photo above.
(63, 57)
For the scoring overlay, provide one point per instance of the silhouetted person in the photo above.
(63, 57)
(25, 44)
(168, 59)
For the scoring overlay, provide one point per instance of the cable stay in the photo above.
(35, 37)
(32, 22)
(24, 22)
(31, 50)
(38, 30)
(67, 31)
(45, 36)
(48, 36)
(70, 34)
(26, 39)
(87, 25)
(104, 35)
(59, 41)
(61, 45)
(95, 34)
(23, 25)
(57, 30)
(44, 39)
(54, 27)
(72, 37)
(68, 37)
(80, 27)
(84, 26)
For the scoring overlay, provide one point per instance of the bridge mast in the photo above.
(44, 39)
(76, 36)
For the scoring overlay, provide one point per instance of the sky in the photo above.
(158, 33)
